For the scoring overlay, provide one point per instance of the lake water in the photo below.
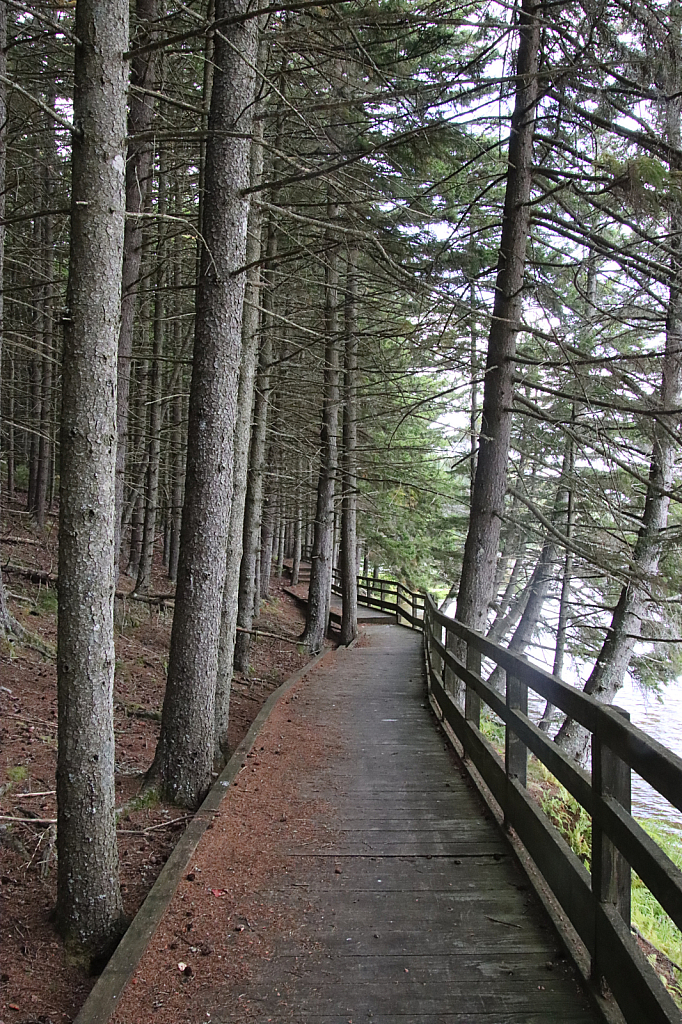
(663, 721)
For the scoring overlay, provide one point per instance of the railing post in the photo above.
(611, 875)
(472, 700)
(449, 678)
(428, 635)
(437, 660)
(516, 752)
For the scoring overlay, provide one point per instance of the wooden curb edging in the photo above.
(102, 1000)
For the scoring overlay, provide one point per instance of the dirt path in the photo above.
(38, 982)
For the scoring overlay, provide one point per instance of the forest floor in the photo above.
(39, 983)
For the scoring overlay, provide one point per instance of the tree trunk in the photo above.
(6, 619)
(177, 454)
(242, 439)
(138, 174)
(538, 592)
(349, 563)
(135, 503)
(184, 755)
(298, 530)
(282, 540)
(487, 507)
(541, 580)
(319, 591)
(155, 394)
(248, 588)
(35, 414)
(151, 492)
(89, 907)
(564, 602)
(44, 445)
(267, 534)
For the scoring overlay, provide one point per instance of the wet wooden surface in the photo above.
(409, 909)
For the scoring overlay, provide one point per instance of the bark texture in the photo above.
(6, 620)
(487, 506)
(242, 439)
(184, 756)
(248, 577)
(144, 570)
(349, 556)
(89, 908)
(138, 173)
(319, 591)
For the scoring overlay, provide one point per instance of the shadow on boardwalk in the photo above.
(353, 875)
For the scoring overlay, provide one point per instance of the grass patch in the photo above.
(18, 773)
(493, 729)
(648, 914)
(47, 601)
(570, 818)
(148, 798)
(657, 928)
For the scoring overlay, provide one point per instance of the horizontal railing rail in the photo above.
(596, 902)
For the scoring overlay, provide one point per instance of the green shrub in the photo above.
(571, 819)
(493, 729)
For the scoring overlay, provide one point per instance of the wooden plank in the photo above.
(424, 848)
(387, 985)
(411, 874)
(560, 1015)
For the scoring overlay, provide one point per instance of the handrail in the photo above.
(597, 903)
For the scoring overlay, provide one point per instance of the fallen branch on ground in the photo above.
(123, 595)
(28, 821)
(33, 575)
(162, 598)
(153, 828)
(136, 712)
(44, 792)
(272, 636)
(34, 721)
(22, 540)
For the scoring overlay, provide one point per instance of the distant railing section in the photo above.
(596, 902)
(388, 596)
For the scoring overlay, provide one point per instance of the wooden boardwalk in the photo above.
(412, 910)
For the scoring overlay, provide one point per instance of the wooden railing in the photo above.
(390, 597)
(596, 902)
